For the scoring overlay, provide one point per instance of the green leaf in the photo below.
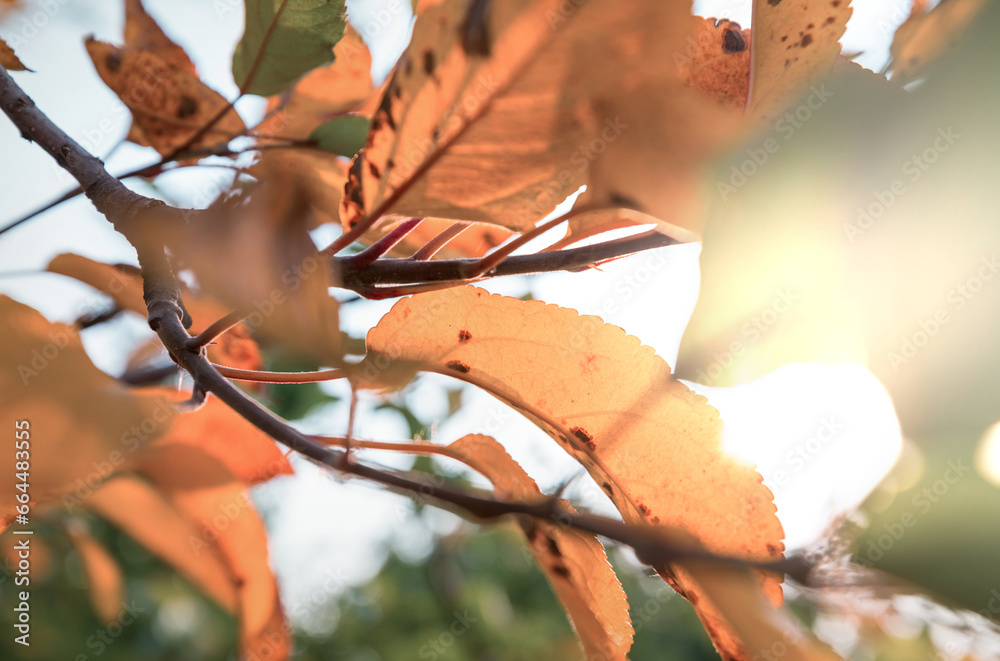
(342, 135)
(302, 40)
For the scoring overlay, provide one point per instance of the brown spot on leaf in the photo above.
(773, 2)
(607, 487)
(733, 42)
(554, 547)
(113, 61)
(475, 30)
(829, 19)
(584, 437)
(429, 62)
(458, 366)
(374, 170)
(561, 570)
(188, 107)
(464, 335)
(773, 549)
(806, 40)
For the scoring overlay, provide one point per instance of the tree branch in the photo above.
(655, 545)
(399, 271)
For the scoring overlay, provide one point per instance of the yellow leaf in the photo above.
(169, 105)
(651, 443)
(498, 118)
(81, 424)
(574, 562)
(104, 575)
(795, 42)
(9, 60)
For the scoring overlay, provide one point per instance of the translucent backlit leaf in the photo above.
(651, 443)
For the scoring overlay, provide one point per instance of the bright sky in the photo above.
(821, 436)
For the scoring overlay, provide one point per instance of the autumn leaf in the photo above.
(216, 430)
(257, 256)
(81, 423)
(651, 443)
(765, 631)
(104, 575)
(234, 348)
(795, 42)
(717, 61)
(928, 33)
(142, 32)
(169, 104)
(215, 501)
(498, 116)
(143, 511)
(9, 60)
(574, 562)
(296, 36)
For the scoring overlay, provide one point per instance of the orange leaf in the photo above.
(216, 503)
(104, 575)
(717, 62)
(574, 562)
(651, 443)
(499, 117)
(144, 33)
(9, 60)
(81, 423)
(234, 348)
(795, 42)
(215, 430)
(168, 104)
(144, 513)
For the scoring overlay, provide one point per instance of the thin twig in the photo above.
(279, 377)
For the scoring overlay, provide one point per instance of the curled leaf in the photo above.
(574, 562)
